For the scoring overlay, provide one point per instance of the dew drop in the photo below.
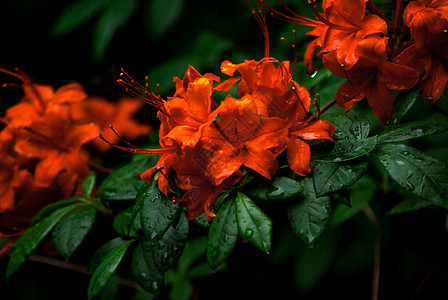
(143, 276)
(410, 186)
(312, 75)
(155, 285)
(249, 233)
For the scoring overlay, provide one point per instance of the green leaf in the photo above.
(144, 269)
(222, 235)
(405, 101)
(253, 224)
(111, 289)
(442, 103)
(361, 193)
(49, 209)
(103, 251)
(281, 188)
(344, 150)
(88, 184)
(128, 171)
(182, 290)
(437, 123)
(309, 214)
(117, 14)
(348, 128)
(416, 172)
(360, 127)
(343, 126)
(408, 205)
(202, 221)
(157, 213)
(107, 268)
(169, 248)
(32, 238)
(72, 229)
(126, 223)
(77, 14)
(331, 177)
(161, 15)
(125, 190)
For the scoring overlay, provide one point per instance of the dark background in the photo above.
(414, 245)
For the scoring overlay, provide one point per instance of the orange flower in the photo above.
(11, 177)
(341, 26)
(428, 54)
(104, 113)
(34, 103)
(238, 135)
(276, 95)
(206, 146)
(56, 141)
(371, 77)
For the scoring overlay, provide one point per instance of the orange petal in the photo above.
(299, 156)
(73, 92)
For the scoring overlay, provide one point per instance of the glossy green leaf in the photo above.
(49, 209)
(103, 251)
(125, 190)
(219, 201)
(280, 188)
(158, 23)
(126, 223)
(222, 235)
(360, 127)
(169, 248)
(346, 149)
(253, 224)
(116, 15)
(346, 127)
(77, 14)
(343, 125)
(72, 229)
(435, 124)
(341, 196)
(32, 238)
(144, 269)
(361, 193)
(331, 177)
(128, 171)
(308, 214)
(405, 101)
(157, 213)
(107, 268)
(88, 184)
(416, 172)
(202, 221)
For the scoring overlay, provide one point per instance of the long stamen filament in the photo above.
(143, 92)
(137, 150)
(22, 76)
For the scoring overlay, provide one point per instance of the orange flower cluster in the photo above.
(207, 147)
(428, 54)
(41, 145)
(361, 48)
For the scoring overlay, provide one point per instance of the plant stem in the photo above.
(77, 268)
(377, 252)
(322, 110)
